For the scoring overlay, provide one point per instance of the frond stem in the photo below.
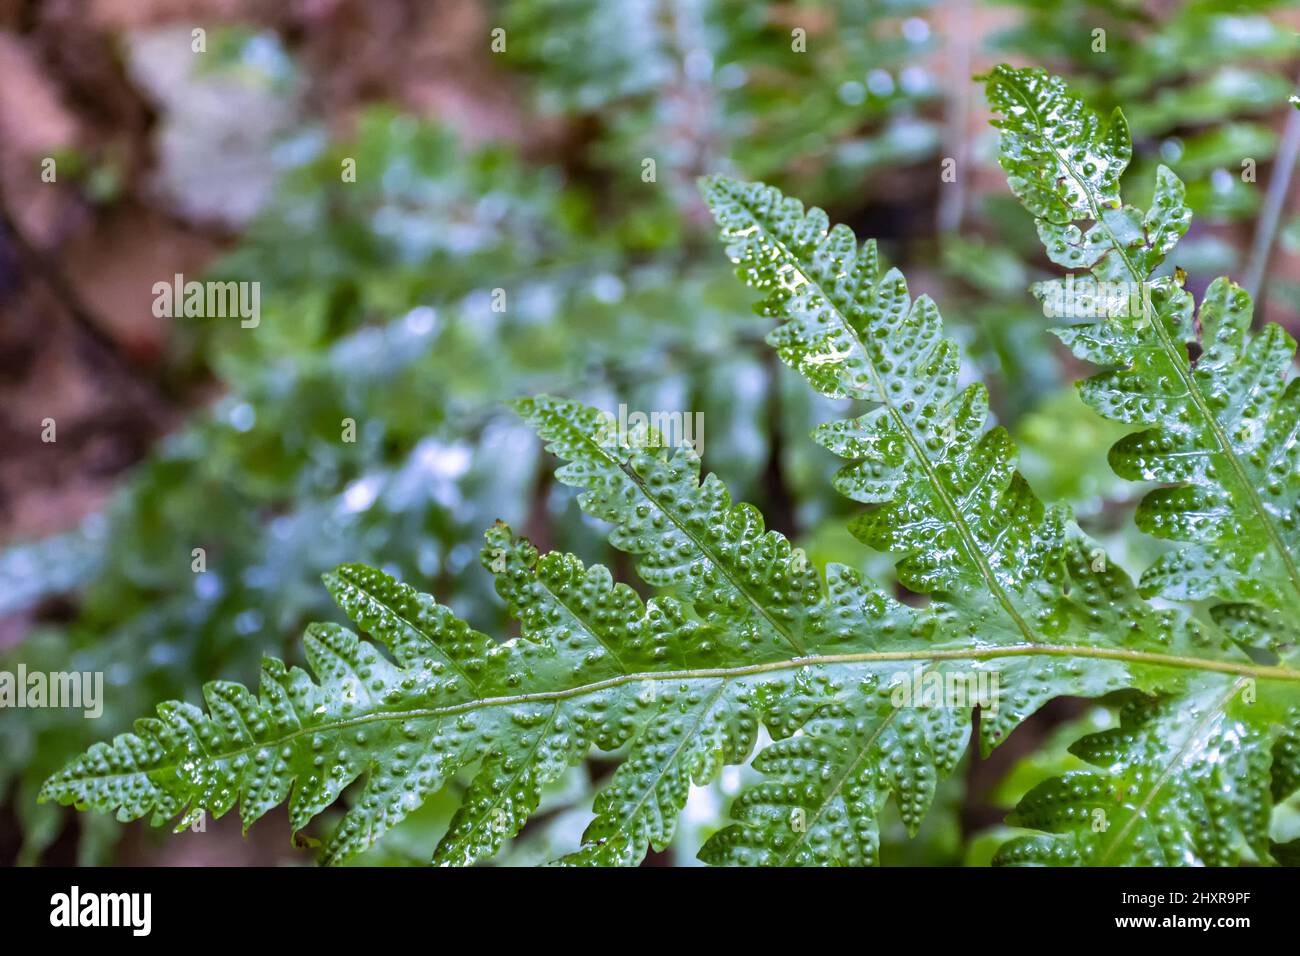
(1264, 672)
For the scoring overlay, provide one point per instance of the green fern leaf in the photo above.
(1182, 781)
(687, 533)
(607, 634)
(1186, 779)
(407, 723)
(652, 500)
(946, 500)
(823, 790)
(1065, 166)
(866, 698)
(1222, 431)
(679, 684)
(594, 666)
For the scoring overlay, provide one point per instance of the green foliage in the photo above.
(1200, 83)
(949, 502)
(748, 637)
(1184, 780)
(1194, 104)
(376, 307)
(748, 634)
(1218, 433)
(1220, 430)
(593, 666)
(813, 95)
(382, 317)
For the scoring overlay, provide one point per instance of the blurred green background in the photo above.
(514, 168)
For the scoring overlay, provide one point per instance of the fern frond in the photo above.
(946, 499)
(1065, 166)
(945, 494)
(1185, 779)
(594, 666)
(687, 533)
(866, 698)
(681, 685)
(824, 789)
(1221, 432)
(697, 725)
(407, 723)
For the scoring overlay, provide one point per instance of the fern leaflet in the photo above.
(1186, 779)
(1221, 431)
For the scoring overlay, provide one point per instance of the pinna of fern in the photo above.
(1221, 431)
(748, 633)
(845, 331)
(1220, 434)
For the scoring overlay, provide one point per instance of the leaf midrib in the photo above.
(1029, 649)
